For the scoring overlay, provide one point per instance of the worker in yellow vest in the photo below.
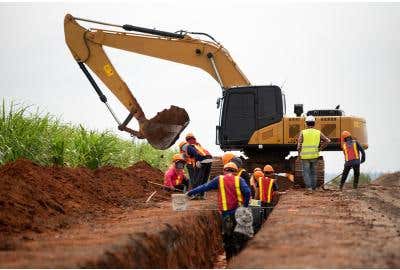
(190, 162)
(309, 144)
(351, 150)
(230, 157)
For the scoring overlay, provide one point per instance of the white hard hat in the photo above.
(310, 118)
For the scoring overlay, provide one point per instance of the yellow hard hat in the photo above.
(231, 165)
(227, 157)
(177, 157)
(189, 135)
(258, 174)
(268, 168)
(345, 134)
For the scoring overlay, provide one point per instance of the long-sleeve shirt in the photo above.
(171, 175)
(325, 141)
(214, 184)
(192, 152)
(356, 161)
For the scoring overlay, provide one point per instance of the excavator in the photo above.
(253, 119)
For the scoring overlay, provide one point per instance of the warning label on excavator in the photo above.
(108, 70)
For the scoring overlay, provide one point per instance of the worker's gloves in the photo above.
(198, 164)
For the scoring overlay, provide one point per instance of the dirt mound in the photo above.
(36, 198)
(390, 179)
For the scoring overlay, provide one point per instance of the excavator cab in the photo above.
(245, 110)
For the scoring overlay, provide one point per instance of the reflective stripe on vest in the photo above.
(240, 172)
(238, 192)
(178, 180)
(265, 192)
(222, 191)
(350, 151)
(311, 139)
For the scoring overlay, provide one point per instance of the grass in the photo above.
(25, 132)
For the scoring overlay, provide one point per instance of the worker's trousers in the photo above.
(233, 241)
(309, 172)
(201, 175)
(191, 172)
(346, 170)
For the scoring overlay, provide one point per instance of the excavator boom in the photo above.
(86, 46)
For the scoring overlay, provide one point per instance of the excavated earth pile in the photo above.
(330, 229)
(75, 217)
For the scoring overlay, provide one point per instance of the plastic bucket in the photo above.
(179, 202)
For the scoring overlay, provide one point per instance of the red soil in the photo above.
(36, 198)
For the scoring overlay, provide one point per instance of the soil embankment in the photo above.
(330, 229)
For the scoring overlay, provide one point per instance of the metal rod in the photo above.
(98, 22)
(112, 113)
(211, 57)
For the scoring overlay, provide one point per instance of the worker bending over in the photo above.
(351, 150)
(308, 145)
(174, 177)
(233, 192)
(190, 163)
(202, 160)
(230, 157)
(267, 189)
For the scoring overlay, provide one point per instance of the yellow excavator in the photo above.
(252, 118)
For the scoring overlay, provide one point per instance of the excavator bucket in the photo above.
(164, 129)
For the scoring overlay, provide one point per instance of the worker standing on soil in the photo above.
(309, 146)
(202, 160)
(189, 161)
(174, 177)
(230, 157)
(233, 192)
(351, 150)
(267, 189)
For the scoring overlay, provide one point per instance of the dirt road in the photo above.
(330, 229)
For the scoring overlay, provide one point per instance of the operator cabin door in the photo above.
(239, 121)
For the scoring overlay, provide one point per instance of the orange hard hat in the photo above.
(189, 135)
(231, 165)
(177, 157)
(268, 168)
(258, 174)
(345, 134)
(227, 157)
(257, 169)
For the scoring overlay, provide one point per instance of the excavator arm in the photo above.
(86, 46)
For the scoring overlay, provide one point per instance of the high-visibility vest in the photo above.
(240, 172)
(265, 189)
(350, 150)
(229, 196)
(310, 145)
(178, 180)
(201, 150)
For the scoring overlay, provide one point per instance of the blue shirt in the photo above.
(214, 184)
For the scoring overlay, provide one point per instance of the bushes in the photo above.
(45, 140)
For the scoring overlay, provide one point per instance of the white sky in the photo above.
(325, 54)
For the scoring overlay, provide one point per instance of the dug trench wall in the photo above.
(54, 217)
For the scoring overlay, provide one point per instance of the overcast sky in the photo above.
(322, 54)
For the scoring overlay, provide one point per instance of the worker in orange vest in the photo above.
(202, 160)
(174, 177)
(230, 157)
(189, 161)
(233, 192)
(267, 189)
(351, 150)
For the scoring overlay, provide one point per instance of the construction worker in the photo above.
(351, 150)
(267, 189)
(202, 160)
(189, 161)
(174, 177)
(309, 146)
(253, 186)
(233, 192)
(230, 157)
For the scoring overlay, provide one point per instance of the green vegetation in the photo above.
(45, 140)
